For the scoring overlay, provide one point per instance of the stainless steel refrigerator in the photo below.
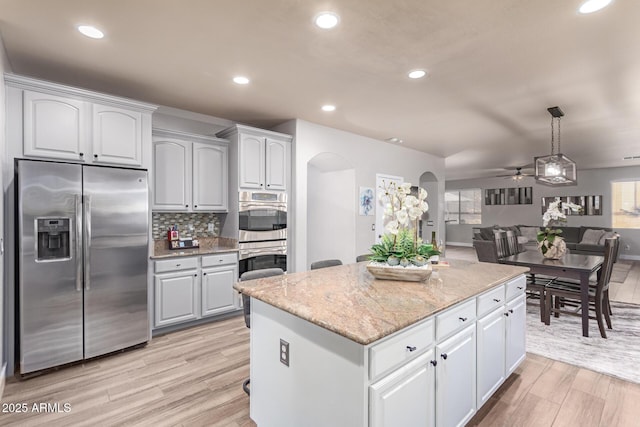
(82, 261)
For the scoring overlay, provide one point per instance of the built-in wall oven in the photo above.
(262, 238)
(262, 216)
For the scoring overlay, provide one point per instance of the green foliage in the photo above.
(549, 235)
(401, 246)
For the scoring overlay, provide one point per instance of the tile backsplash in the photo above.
(162, 221)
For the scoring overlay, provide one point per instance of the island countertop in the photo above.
(349, 301)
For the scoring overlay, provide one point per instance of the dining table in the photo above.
(571, 266)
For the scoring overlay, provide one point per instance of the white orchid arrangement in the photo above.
(401, 206)
(552, 217)
(554, 212)
(401, 246)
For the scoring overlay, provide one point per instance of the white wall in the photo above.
(4, 67)
(368, 156)
(331, 213)
(590, 182)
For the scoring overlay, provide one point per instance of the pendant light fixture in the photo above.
(555, 169)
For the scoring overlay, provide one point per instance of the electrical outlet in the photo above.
(210, 227)
(284, 352)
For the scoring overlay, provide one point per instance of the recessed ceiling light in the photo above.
(241, 80)
(394, 140)
(328, 108)
(591, 6)
(326, 20)
(417, 74)
(90, 31)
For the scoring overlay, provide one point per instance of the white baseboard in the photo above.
(468, 245)
(630, 257)
(3, 373)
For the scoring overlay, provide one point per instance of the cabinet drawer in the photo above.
(455, 319)
(516, 287)
(220, 259)
(400, 348)
(490, 300)
(176, 264)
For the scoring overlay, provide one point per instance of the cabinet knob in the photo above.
(496, 300)
(520, 287)
(463, 319)
(186, 206)
(434, 362)
(204, 274)
(260, 185)
(444, 356)
(510, 311)
(195, 206)
(506, 314)
(195, 275)
(178, 265)
(81, 154)
(411, 348)
(95, 156)
(268, 185)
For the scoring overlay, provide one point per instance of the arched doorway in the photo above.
(331, 208)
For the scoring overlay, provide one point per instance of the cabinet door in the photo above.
(54, 127)
(176, 297)
(171, 175)
(218, 295)
(456, 379)
(276, 165)
(516, 326)
(405, 397)
(117, 135)
(210, 177)
(491, 354)
(252, 153)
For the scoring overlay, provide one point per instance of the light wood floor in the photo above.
(629, 291)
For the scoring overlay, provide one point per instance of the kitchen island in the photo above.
(356, 351)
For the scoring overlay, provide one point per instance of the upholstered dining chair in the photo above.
(246, 302)
(325, 263)
(364, 257)
(565, 295)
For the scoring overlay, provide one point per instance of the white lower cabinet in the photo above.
(191, 288)
(516, 337)
(491, 354)
(176, 297)
(456, 378)
(218, 295)
(406, 397)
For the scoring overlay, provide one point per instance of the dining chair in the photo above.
(364, 257)
(486, 250)
(246, 302)
(565, 295)
(325, 263)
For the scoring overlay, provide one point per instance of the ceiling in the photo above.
(494, 68)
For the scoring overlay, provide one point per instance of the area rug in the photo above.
(621, 271)
(562, 340)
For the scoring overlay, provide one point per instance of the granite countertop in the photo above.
(350, 302)
(208, 245)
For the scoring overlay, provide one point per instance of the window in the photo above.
(463, 206)
(625, 207)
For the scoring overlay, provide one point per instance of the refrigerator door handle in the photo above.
(78, 240)
(87, 242)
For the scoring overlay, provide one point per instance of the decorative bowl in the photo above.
(396, 272)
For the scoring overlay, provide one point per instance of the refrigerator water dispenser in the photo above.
(53, 239)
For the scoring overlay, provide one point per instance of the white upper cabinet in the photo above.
(276, 164)
(210, 177)
(63, 122)
(54, 126)
(117, 135)
(252, 154)
(263, 157)
(171, 177)
(190, 172)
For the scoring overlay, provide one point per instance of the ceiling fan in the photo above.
(518, 175)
